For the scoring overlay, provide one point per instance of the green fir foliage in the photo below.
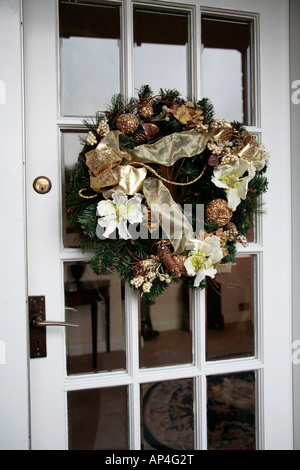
(145, 92)
(207, 109)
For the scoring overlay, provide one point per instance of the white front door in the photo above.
(170, 378)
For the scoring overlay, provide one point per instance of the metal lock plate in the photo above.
(38, 346)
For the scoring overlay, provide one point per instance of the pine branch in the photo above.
(237, 125)
(117, 104)
(105, 257)
(170, 96)
(93, 123)
(88, 220)
(207, 109)
(144, 92)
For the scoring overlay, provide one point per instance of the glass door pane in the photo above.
(167, 415)
(227, 70)
(161, 50)
(96, 304)
(166, 329)
(90, 39)
(71, 146)
(231, 311)
(98, 419)
(231, 411)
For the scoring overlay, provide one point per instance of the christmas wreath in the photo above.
(162, 191)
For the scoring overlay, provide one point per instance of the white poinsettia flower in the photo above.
(203, 256)
(234, 180)
(118, 213)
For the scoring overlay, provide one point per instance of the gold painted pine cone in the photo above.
(219, 212)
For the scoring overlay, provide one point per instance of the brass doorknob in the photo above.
(42, 185)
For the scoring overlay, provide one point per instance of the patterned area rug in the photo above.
(231, 412)
(168, 414)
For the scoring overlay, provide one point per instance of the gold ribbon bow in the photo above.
(249, 146)
(112, 169)
(110, 166)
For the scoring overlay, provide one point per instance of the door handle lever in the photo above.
(38, 322)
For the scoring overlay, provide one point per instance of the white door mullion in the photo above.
(197, 63)
(196, 328)
(197, 413)
(203, 327)
(203, 412)
(127, 59)
(134, 416)
(199, 350)
(259, 313)
(132, 330)
(132, 348)
(260, 427)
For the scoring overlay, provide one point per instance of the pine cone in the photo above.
(140, 137)
(230, 226)
(168, 260)
(180, 259)
(146, 266)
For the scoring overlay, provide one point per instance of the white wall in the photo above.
(14, 407)
(295, 139)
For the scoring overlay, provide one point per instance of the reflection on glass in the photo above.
(165, 336)
(89, 57)
(227, 67)
(167, 415)
(161, 50)
(71, 146)
(230, 311)
(96, 304)
(231, 415)
(97, 419)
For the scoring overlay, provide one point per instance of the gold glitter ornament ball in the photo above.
(218, 211)
(127, 123)
(145, 110)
